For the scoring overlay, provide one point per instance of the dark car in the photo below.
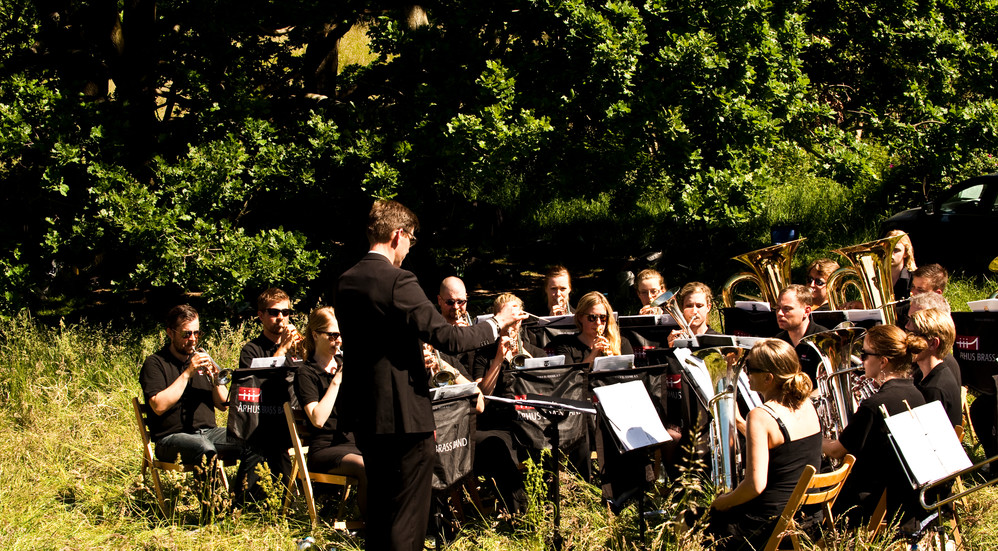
(956, 230)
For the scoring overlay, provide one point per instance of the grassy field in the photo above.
(69, 462)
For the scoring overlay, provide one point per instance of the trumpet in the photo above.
(222, 376)
(441, 372)
(298, 343)
(521, 356)
(561, 307)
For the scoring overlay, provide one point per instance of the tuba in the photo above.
(837, 393)
(870, 273)
(770, 272)
(724, 364)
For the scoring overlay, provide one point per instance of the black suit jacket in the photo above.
(383, 315)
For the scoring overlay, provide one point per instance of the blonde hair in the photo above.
(776, 357)
(586, 303)
(649, 274)
(695, 287)
(824, 266)
(319, 318)
(891, 342)
(909, 251)
(503, 299)
(935, 323)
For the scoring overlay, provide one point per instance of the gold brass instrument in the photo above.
(441, 372)
(870, 274)
(521, 356)
(837, 398)
(770, 272)
(724, 364)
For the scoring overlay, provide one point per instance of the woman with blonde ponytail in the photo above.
(887, 355)
(782, 437)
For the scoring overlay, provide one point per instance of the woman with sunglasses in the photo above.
(887, 356)
(598, 333)
(317, 384)
(783, 436)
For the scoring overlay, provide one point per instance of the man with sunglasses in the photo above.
(182, 391)
(453, 301)
(817, 280)
(278, 337)
(384, 315)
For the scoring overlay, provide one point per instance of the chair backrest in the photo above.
(143, 428)
(811, 489)
(295, 421)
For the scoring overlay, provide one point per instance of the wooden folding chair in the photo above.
(300, 472)
(154, 465)
(812, 489)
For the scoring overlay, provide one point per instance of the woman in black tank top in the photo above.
(782, 437)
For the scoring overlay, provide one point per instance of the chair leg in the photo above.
(310, 501)
(290, 488)
(341, 511)
(159, 490)
(220, 467)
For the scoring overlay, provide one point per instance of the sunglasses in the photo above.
(755, 370)
(866, 354)
(452, 302)
(817, 282)
(594, 317)
(274, 312)
(188, 334)
(331, 334)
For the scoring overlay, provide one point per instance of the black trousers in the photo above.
(400, 487)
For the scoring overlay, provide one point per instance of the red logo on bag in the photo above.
(249, 394)
(673, 381)
(967, 343)
(521, 397)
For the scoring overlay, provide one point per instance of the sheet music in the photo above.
(752, 397)
(453, 391)
(613, 363)
(631, 415)
(927, 443)
(986, 305)
(547, 361)
(268, 362)
(698, 372)
(753, 306)
(863, 315)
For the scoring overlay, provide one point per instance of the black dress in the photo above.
(749, 525)
(328, 445)
(877, 465)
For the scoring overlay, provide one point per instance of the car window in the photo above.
(965, 200)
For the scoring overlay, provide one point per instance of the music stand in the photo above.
(555, 410)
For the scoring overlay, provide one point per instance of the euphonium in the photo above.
(837, 401)
(870, 273)
(724, 365)
(771, 272)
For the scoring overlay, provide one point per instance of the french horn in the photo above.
(770, 272)
(870, 274)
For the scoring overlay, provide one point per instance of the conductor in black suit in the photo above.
(384, 314)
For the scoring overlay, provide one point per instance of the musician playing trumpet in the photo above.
(649, 284)
(557, 288)
(453, 301)
(279, 338)
(696, 301)
(598, 333)
(438, 362)
(782, 438)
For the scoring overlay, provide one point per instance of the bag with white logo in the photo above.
(532, 428)
(256, 407)
(455, 439)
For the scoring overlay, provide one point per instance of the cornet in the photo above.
(222, 376)
(521, 356)
(441, 373)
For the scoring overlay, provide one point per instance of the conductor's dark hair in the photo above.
(179, 315)
(386, 217)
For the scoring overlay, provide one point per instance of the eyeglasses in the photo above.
(866, 354)
(755, 370)
(593, 317)
(274, 312)
(453, 301)
(817, 282)
(188, 334)
(330, 334)
(412, 237)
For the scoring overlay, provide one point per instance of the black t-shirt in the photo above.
(877, 464)
(808, 355)
(196, 407)
(311, 384)
(260, 347)
(575, 351)
(940, 385)
(950, 363)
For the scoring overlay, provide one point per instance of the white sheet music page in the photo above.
(928, 443)
(698, 372)
(277, 361)
(631, 415)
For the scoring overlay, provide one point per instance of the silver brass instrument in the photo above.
(837, 400)
(770, 272)
(672, 306)
(724, 364)
(870, 273)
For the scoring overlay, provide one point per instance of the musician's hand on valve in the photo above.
(505, 348)
(650, 310)
(429, 359)
(287, 340)
(673, 335)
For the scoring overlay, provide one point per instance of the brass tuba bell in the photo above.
(870, 273)
(724, 364)
(770, 272)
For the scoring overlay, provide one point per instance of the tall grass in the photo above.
(69, 465)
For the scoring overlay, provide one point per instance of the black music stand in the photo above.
(554, 410)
